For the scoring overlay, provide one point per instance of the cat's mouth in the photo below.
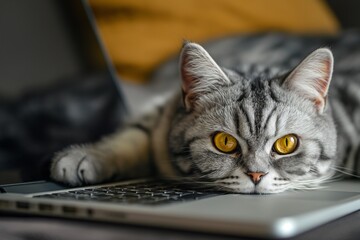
(256, 191)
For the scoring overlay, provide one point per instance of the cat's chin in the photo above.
(254, 190)
(259, 191)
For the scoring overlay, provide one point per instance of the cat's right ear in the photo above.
(199, 72)
(311, 78)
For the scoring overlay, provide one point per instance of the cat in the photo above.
(243, 131)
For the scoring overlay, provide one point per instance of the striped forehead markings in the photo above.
(248, 118)
(266, 122)
(258, 101)
(257, 114)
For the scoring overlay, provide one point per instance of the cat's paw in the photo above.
(78, 166)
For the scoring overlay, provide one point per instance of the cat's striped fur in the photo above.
(256, 105)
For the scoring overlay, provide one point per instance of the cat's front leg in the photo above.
(124, 154)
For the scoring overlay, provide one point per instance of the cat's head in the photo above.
(253, 133)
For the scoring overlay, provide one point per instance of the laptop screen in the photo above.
(57, 87)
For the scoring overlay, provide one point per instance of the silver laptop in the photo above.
(51, 66)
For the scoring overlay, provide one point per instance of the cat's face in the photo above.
(252, 134)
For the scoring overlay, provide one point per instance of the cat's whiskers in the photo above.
(345, 171)
(311, 184)
(344, 168)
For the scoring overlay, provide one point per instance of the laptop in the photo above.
(63, 65)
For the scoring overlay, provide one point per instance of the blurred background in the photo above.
(142, 34)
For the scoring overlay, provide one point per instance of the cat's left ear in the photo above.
(311, 78)
(199, 72)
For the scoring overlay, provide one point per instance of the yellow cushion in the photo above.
(141, 34)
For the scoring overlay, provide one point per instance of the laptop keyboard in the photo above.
(150, 193)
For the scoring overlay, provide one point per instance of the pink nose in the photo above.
(256, 176)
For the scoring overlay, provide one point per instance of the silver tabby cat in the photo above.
(240, 130)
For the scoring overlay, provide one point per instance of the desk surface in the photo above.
(25, 227)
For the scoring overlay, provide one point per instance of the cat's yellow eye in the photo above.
(225, 142)
(286, 144)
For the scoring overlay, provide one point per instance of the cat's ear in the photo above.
(199, 72)
(311, 78)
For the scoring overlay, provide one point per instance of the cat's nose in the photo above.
(256, 176)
